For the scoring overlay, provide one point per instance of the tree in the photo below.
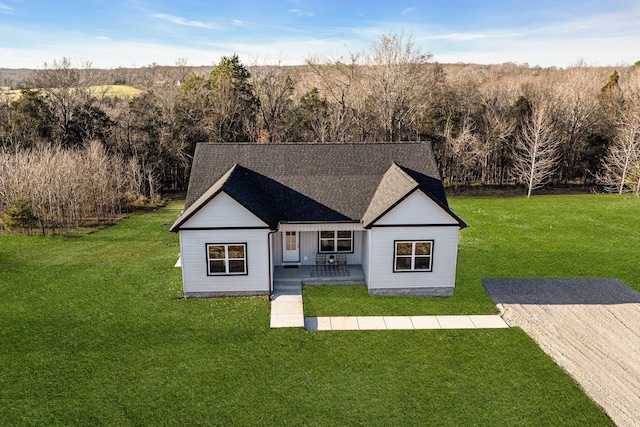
(88, 123)
(31, 119)
(338, 83)
(273, 87)
(233, 103)
(20, 215)
(315, 116)
(622, 163)
(66, 88)
(577, 95)
(612, 83)
(536, 151)
(463, 146)
(497, 129)
(396, 82)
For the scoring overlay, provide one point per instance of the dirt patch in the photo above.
(590, 327)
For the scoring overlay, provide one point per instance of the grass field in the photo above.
(93, 331)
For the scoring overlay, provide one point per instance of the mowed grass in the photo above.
(121, 91)
(93, 331)
(545, 236)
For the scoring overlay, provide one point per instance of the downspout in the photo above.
(271, 266)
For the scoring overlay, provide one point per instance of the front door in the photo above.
(290, 246)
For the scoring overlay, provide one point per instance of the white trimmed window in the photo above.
(413, 255)
(335, 241)
(226, 258)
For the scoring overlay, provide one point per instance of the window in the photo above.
(413, 256)
(226, 258)
(336, 241)
(291, 241)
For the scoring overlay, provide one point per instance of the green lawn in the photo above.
(545, 236)
(93, 331)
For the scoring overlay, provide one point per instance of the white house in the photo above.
(252, 209)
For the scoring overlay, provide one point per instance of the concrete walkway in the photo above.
(287, 312)
(402, 322)
(286, 305)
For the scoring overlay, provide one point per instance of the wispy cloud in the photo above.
(474, 36)
(186, 22)
(5, 8)
(300, 12)
(409, 11)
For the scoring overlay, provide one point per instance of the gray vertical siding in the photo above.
(309, 247)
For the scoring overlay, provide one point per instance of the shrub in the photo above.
(19, 215)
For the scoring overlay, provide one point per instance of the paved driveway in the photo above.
(590, 327)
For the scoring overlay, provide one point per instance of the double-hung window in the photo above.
(226, 258)
(336, 241)
(413, 255)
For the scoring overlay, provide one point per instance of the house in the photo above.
(252, 209)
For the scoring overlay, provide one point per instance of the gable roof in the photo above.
(313, 182)
(398, 183)
(266, 198)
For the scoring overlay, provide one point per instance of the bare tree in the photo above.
(577, 92)
(463, 146)
(396, 83)
(498, 127)
(66, 88)
(622, 164)
(338, 83)
(273, 87)
(536, 151)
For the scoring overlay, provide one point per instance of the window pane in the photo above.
(236, 251)
(291, 241)
(216, 266)
(344, 245)
(403, 248)
(403, 263)
(344, 234)
(423, 263)
(326, 246)
(216, 252)
(327, 234)
(236, 266)
(423, 248)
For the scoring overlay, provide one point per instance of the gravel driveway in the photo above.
(590, 327)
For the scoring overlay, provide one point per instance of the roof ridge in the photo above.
(405, 173)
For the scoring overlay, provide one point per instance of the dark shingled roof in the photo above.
(324, 182)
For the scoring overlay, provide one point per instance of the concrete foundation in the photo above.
(222, 294)
(414, 292)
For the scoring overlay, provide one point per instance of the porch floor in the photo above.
(321, 275)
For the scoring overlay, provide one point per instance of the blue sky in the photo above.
(140, 32)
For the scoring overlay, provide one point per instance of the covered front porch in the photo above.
(351, 274)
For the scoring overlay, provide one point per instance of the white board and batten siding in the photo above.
(366, 254)
(417, 208)
(223, 211)
(444, 252)
(221, 221)
(416, 218)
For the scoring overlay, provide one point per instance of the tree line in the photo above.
(489, 125)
